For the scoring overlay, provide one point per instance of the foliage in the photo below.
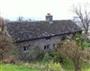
(57, 57)
(51, 66)
(71, 48)
(54, 66)
(68, 65)
(81, 41)
(52, 56)
(86, 44)
(47, 57)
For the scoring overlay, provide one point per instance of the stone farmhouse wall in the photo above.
(46, 44)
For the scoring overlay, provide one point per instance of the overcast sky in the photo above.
(37, 9)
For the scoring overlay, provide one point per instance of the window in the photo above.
(46, 47)
(53, 45)
(25, 48)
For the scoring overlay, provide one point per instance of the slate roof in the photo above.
(22, 31)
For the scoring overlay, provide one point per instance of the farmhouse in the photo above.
(40, 34)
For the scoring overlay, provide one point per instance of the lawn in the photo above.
(12, 67)
(85, 67)
(67, 66)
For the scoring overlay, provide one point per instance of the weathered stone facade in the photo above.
(41, 43)
(46, 44)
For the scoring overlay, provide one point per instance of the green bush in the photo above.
(57, 57)
(52, 66)
(54, 56)
(47, 57)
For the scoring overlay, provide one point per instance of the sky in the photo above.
(37, 9)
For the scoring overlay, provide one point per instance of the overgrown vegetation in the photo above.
(70, 55)
(75, 50)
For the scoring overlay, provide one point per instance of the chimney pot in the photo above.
(49, 17)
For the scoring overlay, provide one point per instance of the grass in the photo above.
(85, 67)
(13, 67)
(68, 66)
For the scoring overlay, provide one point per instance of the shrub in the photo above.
(47, 57)
(52, 66)
(9, 59)
(57, 57)
(72, 49)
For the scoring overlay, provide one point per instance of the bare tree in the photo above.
(23, 19)
(6, 43)
(84, 18)
(2, 22)
(72, 49)
(20, 18)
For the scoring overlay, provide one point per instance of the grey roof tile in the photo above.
(21, 31)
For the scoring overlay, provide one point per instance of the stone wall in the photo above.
(46, 44)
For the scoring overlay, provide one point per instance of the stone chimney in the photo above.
(49, 18)
(1, 24)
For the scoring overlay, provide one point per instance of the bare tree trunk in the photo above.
(1, 56)
(86, 32)
(77, 65)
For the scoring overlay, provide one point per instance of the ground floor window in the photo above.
(25, 48)
(46, 47)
